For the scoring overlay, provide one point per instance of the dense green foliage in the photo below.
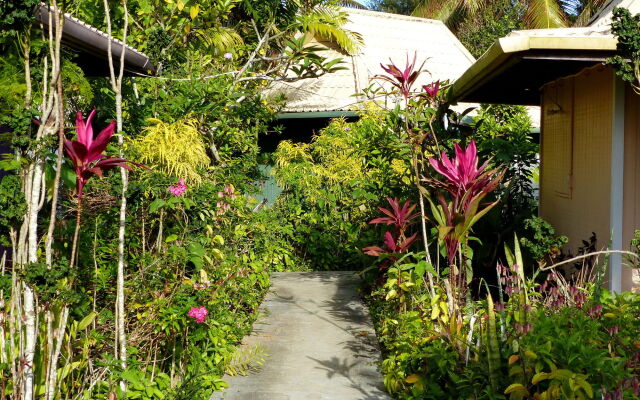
(626, 27)
(199, 247)
(332, 184)
(197, 255)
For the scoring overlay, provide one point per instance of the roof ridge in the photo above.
(382, 14)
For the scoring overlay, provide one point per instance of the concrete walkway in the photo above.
(320, 342)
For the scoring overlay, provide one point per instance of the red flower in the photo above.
(86, 152)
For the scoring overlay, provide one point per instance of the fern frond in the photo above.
(246, 360)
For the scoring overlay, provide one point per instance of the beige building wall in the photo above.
(575, 176)
(631, 210)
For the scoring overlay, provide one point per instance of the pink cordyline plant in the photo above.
(198, 313)
(464, 176)
(179, 188)
(432, 89)
(468, 184)
(88, 160)
(400, 218)
(86, 153)
(404, 79)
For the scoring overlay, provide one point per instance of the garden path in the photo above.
(320, 341)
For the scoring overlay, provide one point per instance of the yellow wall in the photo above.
(575, 173)
(631, 210)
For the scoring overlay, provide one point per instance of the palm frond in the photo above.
(327, 22)
(451, 12)
(544, 14)
(246, 360)
(590, 8)
(352, 4)
(220, 39)
(472, 7)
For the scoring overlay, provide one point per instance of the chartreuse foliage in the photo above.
(332, 184)
(176, 149)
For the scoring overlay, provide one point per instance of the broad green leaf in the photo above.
(156, 204)
(539, 377)
(516, 388)
(87, 320)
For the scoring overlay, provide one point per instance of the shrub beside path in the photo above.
(320, 341)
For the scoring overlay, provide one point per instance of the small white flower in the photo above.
(228, 56)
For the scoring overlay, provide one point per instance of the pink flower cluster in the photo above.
(227, 192)
(509, 278)
(179, 188)
(555, 297)
(198, 313)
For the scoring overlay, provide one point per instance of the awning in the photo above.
(514, 68)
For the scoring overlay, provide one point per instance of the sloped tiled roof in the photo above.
(604, 17)
(86, 38)
(386, 36)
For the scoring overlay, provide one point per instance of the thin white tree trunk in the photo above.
(34, 189)
(116, 85)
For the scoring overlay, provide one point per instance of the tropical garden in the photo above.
(135, 252)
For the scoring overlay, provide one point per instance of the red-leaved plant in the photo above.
(468, 184)
(400, 218)
(402, 79)
(86, 153)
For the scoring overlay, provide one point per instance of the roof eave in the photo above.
(508, 50)
(94, 42)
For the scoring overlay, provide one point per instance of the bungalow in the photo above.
(311, 103)
(590, 129)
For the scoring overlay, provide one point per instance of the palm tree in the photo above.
(538, 14)
(327, 22)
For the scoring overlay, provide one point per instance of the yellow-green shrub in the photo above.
(176, 149)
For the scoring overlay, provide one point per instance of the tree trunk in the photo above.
(116, 85)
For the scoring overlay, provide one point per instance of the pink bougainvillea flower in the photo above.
(179, 188)
(432, 89)
(404, 79)
(86, 153)
(198, 313)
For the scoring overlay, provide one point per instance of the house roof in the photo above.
(605, 15)
(91, 44)
(386, 36)
(515, 67)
